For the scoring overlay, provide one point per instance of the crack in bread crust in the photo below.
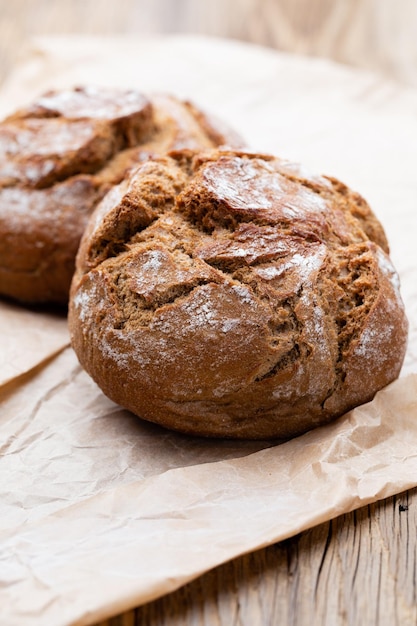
(98, 135)
(255, 300)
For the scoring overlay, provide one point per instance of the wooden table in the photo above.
(357, 569)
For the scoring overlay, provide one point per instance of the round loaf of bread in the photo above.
(58, 158)
(231, 294)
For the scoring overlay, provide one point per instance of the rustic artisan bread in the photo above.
(230, 294)
(59, 156)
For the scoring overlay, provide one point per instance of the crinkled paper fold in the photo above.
(99, 511)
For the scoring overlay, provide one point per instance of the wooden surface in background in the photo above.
(360, 568)
(376, 34)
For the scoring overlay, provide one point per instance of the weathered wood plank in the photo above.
(357, 569)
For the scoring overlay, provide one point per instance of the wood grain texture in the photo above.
(357, 569)
(375, 34)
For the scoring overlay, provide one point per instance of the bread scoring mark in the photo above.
(277, 258)
(75, 131)
(195, 322)
(249, 244)
(356, 287)
(97, 133)
(39, 154)
(306, 266)
(235, 305)
(127, 209)
(298, 323)
(238, 189)
(200, 313)
(159, 276)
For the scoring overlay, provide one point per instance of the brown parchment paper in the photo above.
(99, 511)
(27, 339)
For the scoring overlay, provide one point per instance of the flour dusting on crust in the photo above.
(255, 300)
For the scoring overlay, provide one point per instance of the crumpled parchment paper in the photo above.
(99, 511)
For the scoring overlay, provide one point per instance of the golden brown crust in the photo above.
(94, 133)
(230, 294)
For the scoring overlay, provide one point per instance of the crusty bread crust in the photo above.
(58, 158)
(232, 294)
